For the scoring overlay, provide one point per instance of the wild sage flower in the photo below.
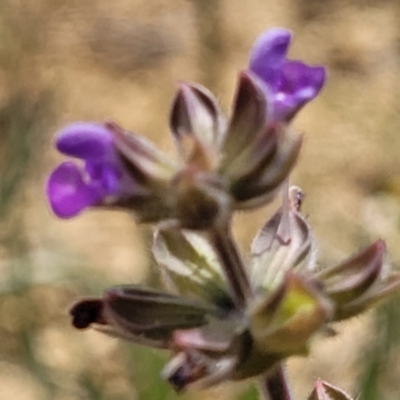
(222, 166)
(289, 84)
(106, 179)
(71, 189)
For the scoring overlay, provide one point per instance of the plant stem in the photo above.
(232, 263)
(274, 385)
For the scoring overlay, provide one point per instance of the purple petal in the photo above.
(302, 80)
(107, 175)
(68, 193)
(269, 52)
(86, 140)
(298, 85)
(289, 85)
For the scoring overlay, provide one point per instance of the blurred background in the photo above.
(96, 59)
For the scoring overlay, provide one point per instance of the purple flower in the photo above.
(100, 180)
(290, 84)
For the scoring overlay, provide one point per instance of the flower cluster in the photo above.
(221, 317)
(224, 164)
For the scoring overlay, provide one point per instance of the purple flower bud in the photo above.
(290, 84)
(71, 187)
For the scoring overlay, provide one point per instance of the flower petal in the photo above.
(68, 193)
(298, 84)
(288, 84)
(109, 177)
(269, 52)
(303, 80)
(85, 140)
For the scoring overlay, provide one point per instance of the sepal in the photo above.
(284, 321)
(325, 391)
(151, 170)
(140, 315)
(359, 282)
(192, 369)
(196, 112)
(248, 121)
(145, 162)
(257, 155)
(190, 266)
(284, 243)
(261, 185)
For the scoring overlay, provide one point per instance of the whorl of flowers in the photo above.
(222, 317)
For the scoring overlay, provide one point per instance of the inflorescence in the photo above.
(222, 318)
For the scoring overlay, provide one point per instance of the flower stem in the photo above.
(274, 385)
(232, 263)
